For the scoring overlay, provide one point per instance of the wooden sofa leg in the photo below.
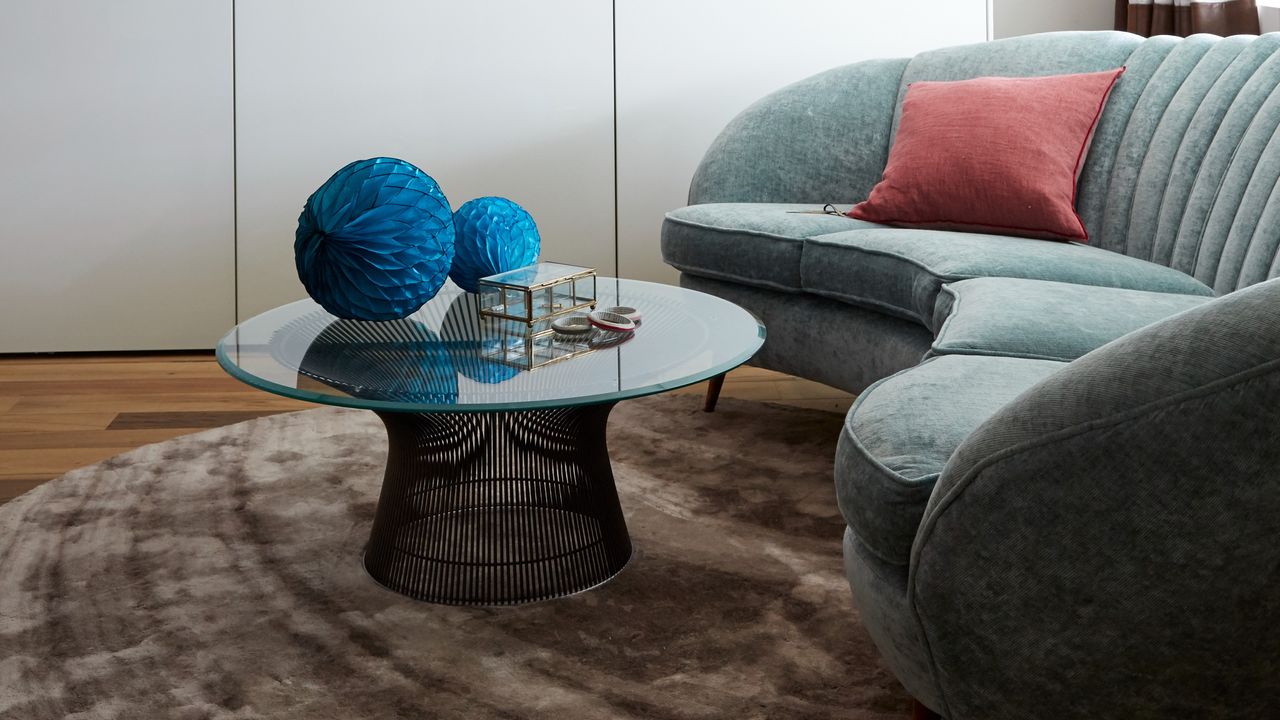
(713, 392)
(920, 712)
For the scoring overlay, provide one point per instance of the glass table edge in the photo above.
(258, 383)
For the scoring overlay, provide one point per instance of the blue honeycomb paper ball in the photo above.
(493, 235)
(375, 241)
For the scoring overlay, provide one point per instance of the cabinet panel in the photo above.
(498, 97)
(116, 187)
(686, 69)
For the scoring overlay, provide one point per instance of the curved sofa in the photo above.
(1061, 477)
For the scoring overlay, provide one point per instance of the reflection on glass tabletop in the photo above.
(447, 358)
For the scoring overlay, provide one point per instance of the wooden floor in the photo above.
(58, 412)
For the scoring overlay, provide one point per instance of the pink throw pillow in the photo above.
(992, 154)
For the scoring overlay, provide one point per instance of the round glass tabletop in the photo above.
(446, 357)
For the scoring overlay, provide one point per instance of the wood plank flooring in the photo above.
(58, 412)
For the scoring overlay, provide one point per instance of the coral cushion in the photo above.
(992, 154)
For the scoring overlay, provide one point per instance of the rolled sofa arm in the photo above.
(822, 139)
(1108, 544)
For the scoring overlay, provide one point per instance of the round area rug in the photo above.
(218, 575)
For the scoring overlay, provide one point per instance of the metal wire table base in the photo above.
(497, 508)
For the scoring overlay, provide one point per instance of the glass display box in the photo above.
(517, 308)
(536, 294)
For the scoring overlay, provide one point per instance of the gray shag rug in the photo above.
(218, 575)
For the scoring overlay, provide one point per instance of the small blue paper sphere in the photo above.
(493, 235)
(375, 241)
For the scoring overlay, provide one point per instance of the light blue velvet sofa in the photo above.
(1061, 478)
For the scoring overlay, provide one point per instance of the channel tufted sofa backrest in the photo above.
(1182, 171)
(1182, 167)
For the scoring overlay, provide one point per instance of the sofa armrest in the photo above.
(823, 139)
(1105, 545)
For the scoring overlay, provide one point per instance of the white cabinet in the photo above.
(517, 99)
(146, 202)
(115, 174)
(686, 68)
(500, 97)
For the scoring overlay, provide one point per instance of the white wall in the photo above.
(1023, 17)
(115, 183)
(1269, 15)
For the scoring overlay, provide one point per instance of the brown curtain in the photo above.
(1187, 17)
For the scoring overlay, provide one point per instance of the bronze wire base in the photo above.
(497, 508)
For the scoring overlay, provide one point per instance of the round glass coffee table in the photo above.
(498, 487)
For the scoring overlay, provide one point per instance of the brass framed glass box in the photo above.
(538, 292)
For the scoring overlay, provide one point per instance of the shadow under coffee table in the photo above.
(498, 487)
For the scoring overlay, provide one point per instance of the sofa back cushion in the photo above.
(824, 139)
(991, 154)
(1182, 165)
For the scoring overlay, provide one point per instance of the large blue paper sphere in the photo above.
(493, 235)
(375, 242)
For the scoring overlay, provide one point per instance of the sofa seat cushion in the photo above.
(900, 271)
(1043, 319)
(753, 243)
(902, 430)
